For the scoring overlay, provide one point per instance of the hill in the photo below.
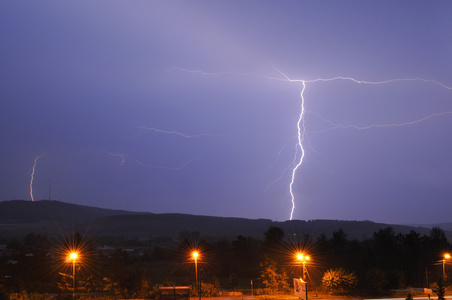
(18, 218)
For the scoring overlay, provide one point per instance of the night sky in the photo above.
(193, 107)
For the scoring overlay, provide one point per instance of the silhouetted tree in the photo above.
(376, 279)
(385, 249)
(339, 238)
(220, 257)
(245, 256)
(441, 290)
(273, 245)
(274, 236)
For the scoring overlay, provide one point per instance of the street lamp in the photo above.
(303, 259)
(446, 256)
(73, 257)
(195, 257)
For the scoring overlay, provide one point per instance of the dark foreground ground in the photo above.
(318, 296)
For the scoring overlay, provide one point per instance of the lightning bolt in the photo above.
(301, 129)
(32, 176)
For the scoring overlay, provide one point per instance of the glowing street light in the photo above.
(303, 259)
(195, 255)
(73, 257)
(446, 256)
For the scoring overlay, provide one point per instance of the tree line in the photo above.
(39, 264)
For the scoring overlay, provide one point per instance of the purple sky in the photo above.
(107, 90)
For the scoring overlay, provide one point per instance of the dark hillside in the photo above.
(19, 211)
(170, 225)
(359, 230)
(18, 218)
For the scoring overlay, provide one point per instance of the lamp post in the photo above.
(446, 256)
(303, 259)
(73, 257)
(195, 257)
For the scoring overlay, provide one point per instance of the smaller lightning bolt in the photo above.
(277, 159)
(384, 125)
(122, 156)
(186, 136)
(32, 175)
(175, 132)
(371, 82)
(125, 156)
(283, 172)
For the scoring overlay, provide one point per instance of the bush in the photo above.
(207, 290)
(338, 279)
(274, 280)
